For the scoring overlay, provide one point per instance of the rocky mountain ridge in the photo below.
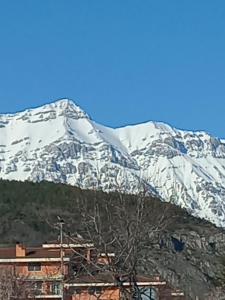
(59, 142)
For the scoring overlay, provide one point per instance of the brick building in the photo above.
(73, 271)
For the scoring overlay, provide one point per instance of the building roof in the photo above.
(111, 278)
(36, 252)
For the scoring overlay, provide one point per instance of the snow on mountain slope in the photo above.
(59, 142)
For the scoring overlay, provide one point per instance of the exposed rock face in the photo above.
(59, 142)
(192, 260)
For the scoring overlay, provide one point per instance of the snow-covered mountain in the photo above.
(59, 142)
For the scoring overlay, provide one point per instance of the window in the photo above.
(37, 288)
(95, 290)
(34, 267)
(56, 288)
(148, 293)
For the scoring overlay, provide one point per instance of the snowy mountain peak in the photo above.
(59, 142)
(62, 107)
(65, 107)
(64, 102)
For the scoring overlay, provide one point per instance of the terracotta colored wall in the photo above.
(6, 266)
(48, 269)
(21, 270)
(108, 294)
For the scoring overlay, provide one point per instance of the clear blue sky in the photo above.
(123, 61)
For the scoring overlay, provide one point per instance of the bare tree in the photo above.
(14, 287)
(121, 225)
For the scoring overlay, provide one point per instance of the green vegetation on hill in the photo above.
(29, 210)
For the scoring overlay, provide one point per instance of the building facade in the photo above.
(73, 271)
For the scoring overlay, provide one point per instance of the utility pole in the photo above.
(61, 223)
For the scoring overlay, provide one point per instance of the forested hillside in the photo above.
(187, 251)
